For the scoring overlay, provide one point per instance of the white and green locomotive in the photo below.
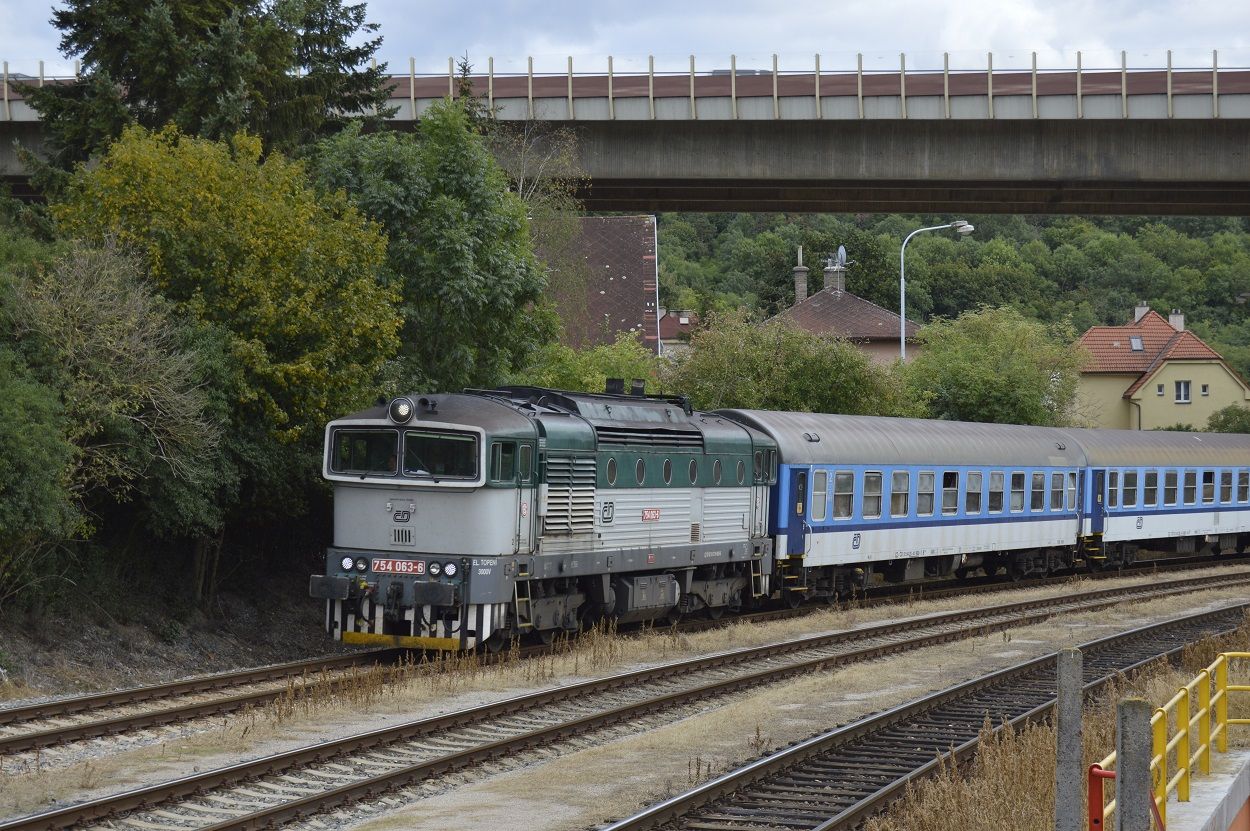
(466, 519)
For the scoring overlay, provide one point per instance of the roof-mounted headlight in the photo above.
(400, 410)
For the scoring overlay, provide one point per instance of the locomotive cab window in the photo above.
(759, 465)
(1056, 491)
(843, 494)
(950, 492)
(525, 463)
(900, 487)
(872, 495)
(1169, 487)
(972, 496)
(1017, 492)
(503, 461)
(1130, 489)
(1191, 487)
(441, 455)
(997, 480)
(1208, 486)
(820, 494)
(1226, 486)
(364, 451)
(1150, 493)
(1037, 495)
(924, 493)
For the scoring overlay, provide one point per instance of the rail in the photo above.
(1187, 727)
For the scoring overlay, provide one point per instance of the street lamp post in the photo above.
(963, 229)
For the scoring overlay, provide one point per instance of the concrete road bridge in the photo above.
(1077, 139)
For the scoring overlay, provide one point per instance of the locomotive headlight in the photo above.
(436, 569)
(450, 569)
(346, 563)
(401, 410)
(362, 564)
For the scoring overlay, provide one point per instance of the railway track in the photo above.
(835, 780)
(285, 786)
(67, 720)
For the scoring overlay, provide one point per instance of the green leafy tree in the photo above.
(247, 246)
(996, 365)
(459, 247)
(557, 366)
(285, 70)
(734, 362)
(1235, 418)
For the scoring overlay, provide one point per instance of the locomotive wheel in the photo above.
(793, 599)
(495, 643)
(961, 574)
(546, 636)
(715, 612)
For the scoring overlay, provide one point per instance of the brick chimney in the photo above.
(1177, 320)
(835, 276)
(1140, 310)
(800, 279)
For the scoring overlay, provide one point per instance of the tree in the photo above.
(1235, 418)
(286, 70)
(995, 365)
(557, 366)
(459, 247)
(245, 245)
(734, 362)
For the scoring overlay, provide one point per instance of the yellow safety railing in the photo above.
(1188, 725)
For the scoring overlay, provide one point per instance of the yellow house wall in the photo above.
(1101, 402)
(885, 351)
(1164, 411)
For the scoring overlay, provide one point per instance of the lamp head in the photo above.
(964, 229)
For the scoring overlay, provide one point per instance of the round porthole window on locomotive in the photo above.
(742, 472)
(611, 471)
(694, 471)
(668, 471)
(640, 471)
(759, 464)
(716, 472)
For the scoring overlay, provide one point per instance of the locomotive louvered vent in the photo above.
(570, 496)
(696, 532)
(649, 437)
(401, 536)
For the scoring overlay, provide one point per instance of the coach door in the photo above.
(1098, 508)
(796, 514)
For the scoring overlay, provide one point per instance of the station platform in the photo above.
(1218, 802)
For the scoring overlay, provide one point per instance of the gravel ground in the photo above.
(107, 765)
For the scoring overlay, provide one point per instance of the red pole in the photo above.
(1095, 804)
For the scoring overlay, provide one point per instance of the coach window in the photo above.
(843, 494)
(1208, 486)
(1037, 499)
(872, 495)
(1113, 489)
(1150, 491)
(1056, 491)
(1243, 485)
(1226, 486)
(1130, 489)
(924, 493)
(1191, 487)
(950, 492)
(1017, 492)
(1072, 490)
(820, 494)
(900, 487)
(972, 496)
(1169, 487)
(997, 479)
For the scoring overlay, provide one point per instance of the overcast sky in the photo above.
(589, 30)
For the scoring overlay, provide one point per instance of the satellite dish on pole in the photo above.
(841, 258)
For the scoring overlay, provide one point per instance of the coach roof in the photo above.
(1162, 448)
(820, 438)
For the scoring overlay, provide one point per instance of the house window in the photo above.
(843, 494)
(996, 492)
(1113, 489)
(1037, 499)
(1182, 392)
(1135, 343)
(1056, 491)
(1151, 491)
(900, 484)
(872, 495)
(1017, 492)
(972, 496)
(820, 494)
(1159, 389)
(1206, 389)
(950, 492)
(1130, 489)
(924, 494)
(1169, 487)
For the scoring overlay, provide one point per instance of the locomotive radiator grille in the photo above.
(570, 496)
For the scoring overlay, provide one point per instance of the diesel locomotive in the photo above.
(463, 520)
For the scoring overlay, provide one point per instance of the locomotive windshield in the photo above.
(440, 455)
(365, 451)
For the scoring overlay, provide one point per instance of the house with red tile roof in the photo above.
(676, 327)
(1154, 373)
(835, 311)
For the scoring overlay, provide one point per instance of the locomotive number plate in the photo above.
(381, 566)
(650, 514)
